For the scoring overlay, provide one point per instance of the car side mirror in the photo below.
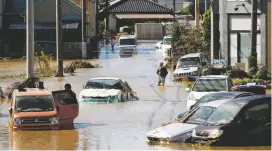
(161, 42)
(187, 89)
(57, 109)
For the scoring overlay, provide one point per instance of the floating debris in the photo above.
(79, 64)
(32, 82)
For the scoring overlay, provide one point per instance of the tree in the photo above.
(189, 39)
(206, 29)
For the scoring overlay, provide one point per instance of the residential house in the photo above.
(45, 31)
(169, 3)
(235, 25)
(129, 12)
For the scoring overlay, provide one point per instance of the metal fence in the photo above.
(149, 31)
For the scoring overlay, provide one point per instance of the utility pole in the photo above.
(174, 9)
(206, 5)
(107, 22)
(254, 30)
(59, 43)
(30, 38)
(83, 29)
(197, 13)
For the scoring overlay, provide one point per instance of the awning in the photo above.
(144, 16)
(39, 26)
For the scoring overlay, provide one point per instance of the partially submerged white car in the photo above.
(106, 90)
(207, 84)
(182, 132)
(166, 45)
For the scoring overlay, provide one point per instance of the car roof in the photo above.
(33, 92)
(246, 100)
(127, 37)
(167, 37)
(214, 77)
(243, 101)
(192, 55)
(229, 92)
(105, 78)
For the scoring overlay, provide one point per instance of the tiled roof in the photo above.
(138, 6)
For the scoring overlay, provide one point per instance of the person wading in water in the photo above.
(162, 73)
(68, 88)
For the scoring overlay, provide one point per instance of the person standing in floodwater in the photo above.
(112, 44)
(162, 73)
(68, 88)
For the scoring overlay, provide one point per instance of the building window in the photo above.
(240, 48)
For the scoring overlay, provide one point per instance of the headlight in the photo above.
(192, 97)
(17, 122)
(215, 133)
(54, 120)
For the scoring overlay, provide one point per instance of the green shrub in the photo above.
(252, 72)
(237, 73)
(252, 62)
(262, 73)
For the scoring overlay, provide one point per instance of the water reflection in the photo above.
(49, 140)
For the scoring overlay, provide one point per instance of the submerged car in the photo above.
(42, 109)
(243, 121)
(181, 132)
(213, 97)
(106, 90)
(207, 84)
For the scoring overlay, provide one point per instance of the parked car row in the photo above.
(219, 113)
(240, 121)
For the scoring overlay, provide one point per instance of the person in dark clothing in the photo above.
(68, 88)
(162, 73)
(41, 85)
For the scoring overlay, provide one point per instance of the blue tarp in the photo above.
(38, 26)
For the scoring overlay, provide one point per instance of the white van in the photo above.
(166, 44)
(127, 44)
(190, 66)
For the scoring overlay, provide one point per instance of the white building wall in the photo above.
(112, 21)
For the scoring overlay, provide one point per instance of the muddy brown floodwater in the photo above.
(107, 126)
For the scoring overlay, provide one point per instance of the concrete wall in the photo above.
(230, 21)
(149, 31)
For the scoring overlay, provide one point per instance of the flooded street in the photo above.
(101, 125)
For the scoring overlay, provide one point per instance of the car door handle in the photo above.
(73, 107)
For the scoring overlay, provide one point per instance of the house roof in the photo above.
(137, 6)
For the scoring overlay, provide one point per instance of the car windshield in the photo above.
(223, 114)
(101, 84)
(207, 85)
(200, 115)
(127, 42)
(192, 61)
(34, 103)
(213, 97)
(167, 41)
